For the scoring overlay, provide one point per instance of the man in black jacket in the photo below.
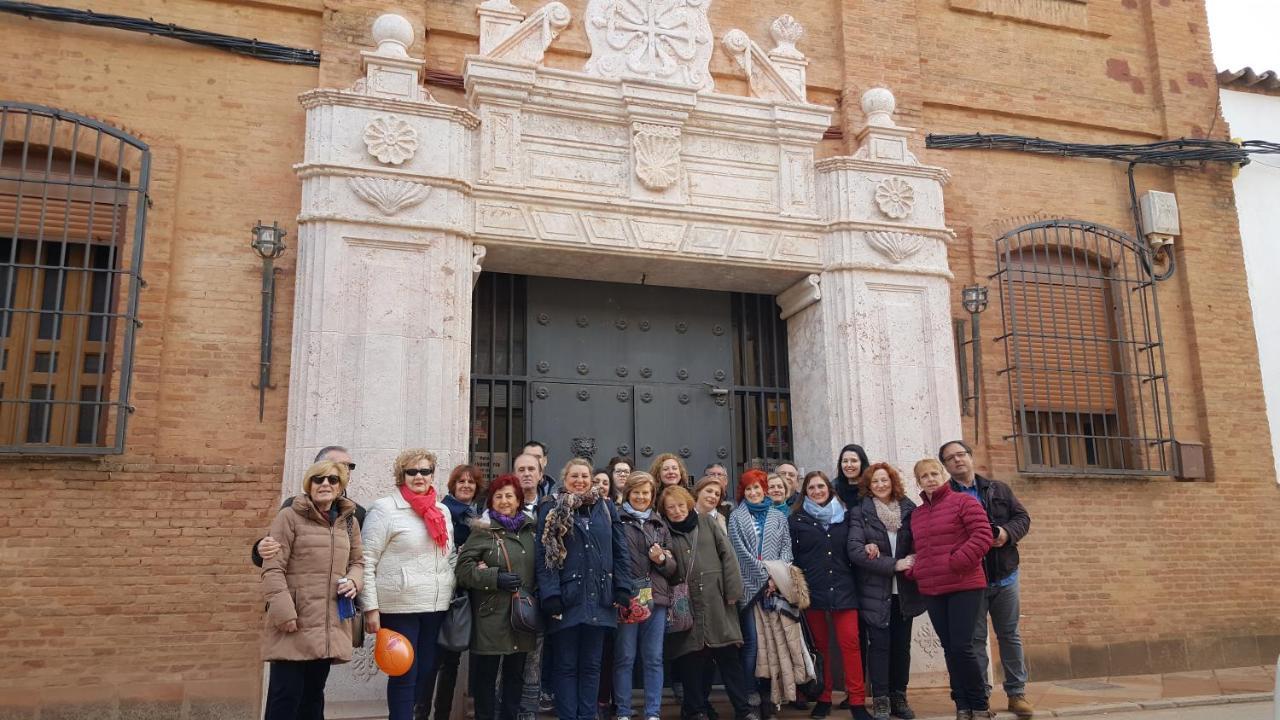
(1010, 522)
(548, 485)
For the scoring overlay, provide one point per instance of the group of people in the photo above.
(604, 581)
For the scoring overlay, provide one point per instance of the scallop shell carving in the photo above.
(390, 139)
(389, 196)
(896, 246)
(657, 155)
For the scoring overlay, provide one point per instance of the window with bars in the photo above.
(1084, 352)
(72, 213)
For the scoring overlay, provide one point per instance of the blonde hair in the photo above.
(677, 493)
(591, 469)
(656, 468)
(635, 480)
(926, 463)
(411, 457)
(326, 467)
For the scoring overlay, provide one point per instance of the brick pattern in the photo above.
(128, 579)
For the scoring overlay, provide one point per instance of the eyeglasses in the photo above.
(954, 455)
(415, 472)
(330, 479)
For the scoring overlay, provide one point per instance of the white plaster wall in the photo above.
(1253, 116)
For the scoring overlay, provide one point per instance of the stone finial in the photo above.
(878, 103)
(786, 32)
(394, 35)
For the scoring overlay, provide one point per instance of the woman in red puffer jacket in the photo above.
(952, 534)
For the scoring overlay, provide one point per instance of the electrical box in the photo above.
(1159, 217)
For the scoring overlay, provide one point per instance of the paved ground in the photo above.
(1235, 711)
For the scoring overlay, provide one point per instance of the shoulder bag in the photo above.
(357, 622)
(680, 614)
(525, 617)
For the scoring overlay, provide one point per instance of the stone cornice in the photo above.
(944, 234)
(848, 163)
(329, 97)
(899, 269)
(312, 170)
(406, 222)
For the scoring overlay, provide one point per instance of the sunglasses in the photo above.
(415, 472)
(351, 466)
(330, 479)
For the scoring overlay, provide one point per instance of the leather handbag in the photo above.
(357, 622)
(455, 633)
(525, 617)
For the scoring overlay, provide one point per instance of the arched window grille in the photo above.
(1084, 352)
(72, 215)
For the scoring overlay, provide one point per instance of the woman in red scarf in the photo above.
(408, 572)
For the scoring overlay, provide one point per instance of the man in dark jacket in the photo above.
(1010, 522)
(548, 484)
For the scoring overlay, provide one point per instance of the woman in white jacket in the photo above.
(408, 572)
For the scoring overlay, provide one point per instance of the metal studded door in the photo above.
(668, 351)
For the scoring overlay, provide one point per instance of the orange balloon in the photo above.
(393, 653)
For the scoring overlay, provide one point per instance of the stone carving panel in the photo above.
(668, 40)
(388, 195)
(390, 139)
(656, 150)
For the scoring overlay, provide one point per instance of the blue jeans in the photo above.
(421, 629)
(643, 639)
(1003, 604)
(750, 645)
(576, 677)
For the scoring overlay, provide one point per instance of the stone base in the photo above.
(1140, 657)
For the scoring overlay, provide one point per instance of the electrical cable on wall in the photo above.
(1167, 153)
(251, 47)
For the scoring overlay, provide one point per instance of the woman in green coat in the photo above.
(497, 560)
(706, 563)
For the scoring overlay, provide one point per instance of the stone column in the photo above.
(382, 318)
(870, 344)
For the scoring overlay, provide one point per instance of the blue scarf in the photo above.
(782, 507)
(827, 515)
(626, 507)
(760, 513)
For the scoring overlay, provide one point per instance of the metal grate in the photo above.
(1084, 356)
(762, 386)
(498, 372)
(73, 202)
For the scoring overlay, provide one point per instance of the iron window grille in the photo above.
(762, 385)
(1084, 354)
(73, 202)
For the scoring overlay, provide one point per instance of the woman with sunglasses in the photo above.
(319, 561)
(408, 573)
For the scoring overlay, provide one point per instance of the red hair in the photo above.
(503, 481)
(752, 477)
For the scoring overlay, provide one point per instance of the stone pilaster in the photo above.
(872, 359)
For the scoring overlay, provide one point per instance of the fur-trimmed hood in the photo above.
(790, 581)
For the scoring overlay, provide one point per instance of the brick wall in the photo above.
(128, 589)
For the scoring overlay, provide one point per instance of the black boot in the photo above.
(858, 712)
(899, 708)
(820, 710)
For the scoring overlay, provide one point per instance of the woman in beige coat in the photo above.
(320, 559)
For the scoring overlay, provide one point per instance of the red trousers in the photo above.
(846, 626)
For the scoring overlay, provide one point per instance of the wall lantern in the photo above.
(268, 243)
(974, 300)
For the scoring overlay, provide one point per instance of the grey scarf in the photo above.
(889, 513)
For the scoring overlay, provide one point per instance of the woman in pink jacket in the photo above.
(952, 534)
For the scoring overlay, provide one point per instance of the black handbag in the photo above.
(813, 688)
(525, 617)
(455, 633)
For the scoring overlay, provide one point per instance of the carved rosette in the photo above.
(388, 195)
(667, 40)
(895, 197)
(656, 149)
(897, 246)
(390, 139)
